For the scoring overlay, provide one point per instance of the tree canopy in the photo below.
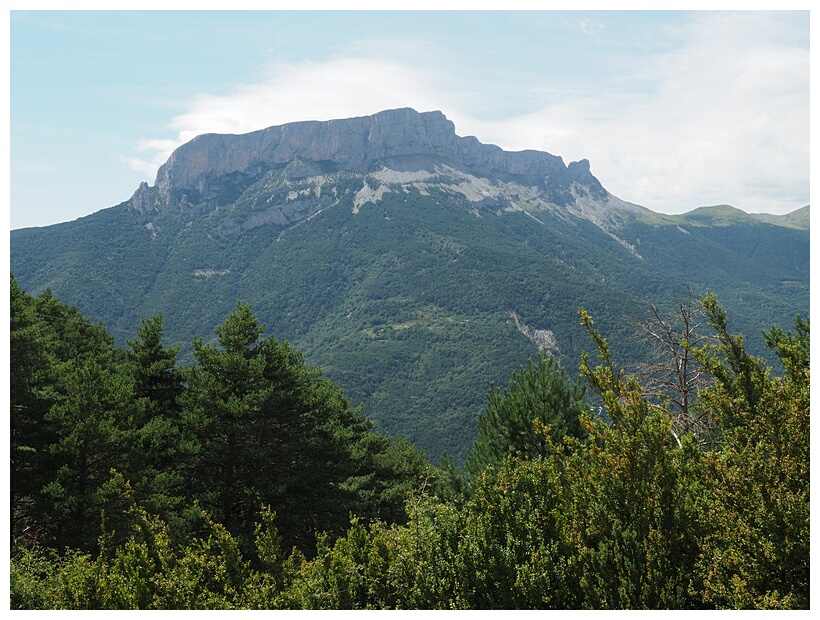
(248, 481)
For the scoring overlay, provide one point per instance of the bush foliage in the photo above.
(248, 481)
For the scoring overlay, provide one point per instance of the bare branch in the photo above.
(673, 374)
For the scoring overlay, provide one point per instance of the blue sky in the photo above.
(674, 110)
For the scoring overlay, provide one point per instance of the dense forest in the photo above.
(248, 480)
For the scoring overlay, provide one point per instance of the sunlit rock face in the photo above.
(395, 147)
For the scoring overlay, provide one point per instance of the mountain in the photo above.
(726, 215)
(414, 265)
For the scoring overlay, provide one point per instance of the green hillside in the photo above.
(409, 304)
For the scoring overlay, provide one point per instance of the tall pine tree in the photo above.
(269, 430)
(538, 400)
(155, 432)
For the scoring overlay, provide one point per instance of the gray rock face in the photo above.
(401, 139)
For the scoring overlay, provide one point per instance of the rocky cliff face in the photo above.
(402, 141)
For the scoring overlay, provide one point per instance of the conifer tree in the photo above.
(84, 398)
(89, 420)
(29, 397)
(539, 399)
(156, 378)
(268, 429)
(154, 429)
(225, 409)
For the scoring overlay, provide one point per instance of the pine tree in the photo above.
(269, 430)
(155, 437)
(539, 400)
(89, 421)
(156, 378)
(29, 401)
(71, 402)
(225, 409)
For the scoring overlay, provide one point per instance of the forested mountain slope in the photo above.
(413, 265)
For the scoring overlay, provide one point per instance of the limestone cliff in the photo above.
(401, 140)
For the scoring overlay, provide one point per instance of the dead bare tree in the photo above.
(673, 375)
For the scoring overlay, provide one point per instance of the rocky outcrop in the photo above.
(144, 199)
(403, 140)
(544, 339)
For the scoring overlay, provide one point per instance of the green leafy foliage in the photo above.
(96, 428)
(266, 428)
(623, 515)
(156, 426)
(638, 531)
(756, 550)
(30, 398)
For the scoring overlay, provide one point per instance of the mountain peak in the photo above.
(401, 139)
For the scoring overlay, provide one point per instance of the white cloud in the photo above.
(159, 151)
(146, 168)
(339, 88)
(590, 27)
(725, 117)
(727, 121)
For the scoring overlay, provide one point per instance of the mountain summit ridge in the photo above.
(400, 139)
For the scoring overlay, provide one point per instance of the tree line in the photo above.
(248, 481)
(248, 422)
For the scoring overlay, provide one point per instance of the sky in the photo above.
(673, 109)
